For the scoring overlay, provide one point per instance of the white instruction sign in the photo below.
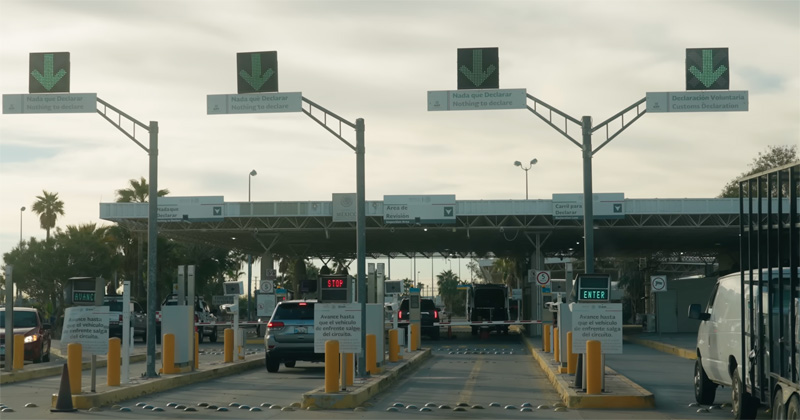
(600, 322)
(88, 326)
(340, 322)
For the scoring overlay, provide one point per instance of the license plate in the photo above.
(300, 330)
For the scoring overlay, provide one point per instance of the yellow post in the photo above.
(594, 367)
(414, 336)
(394, 346)
(228, 345)
(348, 369)
(168, 354)
(547, 338)
(372, 345)
(113, 358)
(556, 349)
(572, 359)
(197, 351)
(74, 366)
(19, 352)
(331, 366)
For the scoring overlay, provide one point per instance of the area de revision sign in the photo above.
(412, 209)
(698, 101)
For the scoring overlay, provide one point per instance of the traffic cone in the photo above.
(64, 401)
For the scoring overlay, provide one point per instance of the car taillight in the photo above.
(120, 317)
(275, 324)
(435, 314)
(399, 314)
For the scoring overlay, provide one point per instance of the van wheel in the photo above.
(793, 408)
(744, 405)
(778, 409)
(289, 363)
(200, 334)
(272, 364)
(213, 337)
(704, 389)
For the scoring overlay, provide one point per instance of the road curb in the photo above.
(626, 393)
(163, 383)
(318, 399)
(26, 375)
(664, 348)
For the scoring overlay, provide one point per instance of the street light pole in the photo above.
(518, 163)
(21, 209)
(249, 256)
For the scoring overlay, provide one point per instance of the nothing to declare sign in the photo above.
(600, 322)
(340, 322)
(88, 326)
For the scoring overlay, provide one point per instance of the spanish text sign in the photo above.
(595, 321)
(340, 322)
(88, 326)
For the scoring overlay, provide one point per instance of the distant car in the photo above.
(290, 335)
(138, 318)
(27, 322)
(202, 313)
(429, 314)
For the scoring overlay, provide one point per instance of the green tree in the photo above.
(137, 192)
(48, 207)
(129, 245)
(773, 157)
(448, 283)
(506, 270)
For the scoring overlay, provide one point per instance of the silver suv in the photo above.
(290, 335)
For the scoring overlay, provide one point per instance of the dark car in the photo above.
(428, 313)
(27, 322)
(290, 335)
(138, 318)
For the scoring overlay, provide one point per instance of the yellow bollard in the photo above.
(372, 344)
(228, 345)
(394, 346)
(594, 367)
(19, 352)
(414, 336)
(196, 351)
(547, 338)
(113, 358)
(74, 366)
(556, 349)
(331, 366)
(572, 358)
(168, 354)
(348, 369)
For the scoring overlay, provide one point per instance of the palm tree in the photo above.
(138, 192)
(48, 207)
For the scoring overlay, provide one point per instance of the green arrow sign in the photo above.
(707, 69)
(257, 72)
(478, 68)
(49, 72)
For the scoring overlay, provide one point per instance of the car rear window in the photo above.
(22, 319)
(425, 305)
(298, 310)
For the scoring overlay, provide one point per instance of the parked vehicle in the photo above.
(202, 313)
(749, 333)
(488, 302)
(27, 322)
(138, 318)
(428, 314)
(290, 335)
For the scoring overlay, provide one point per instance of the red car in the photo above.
(28, 323)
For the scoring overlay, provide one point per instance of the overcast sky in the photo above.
(157, 61)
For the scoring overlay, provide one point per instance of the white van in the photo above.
(719, 342)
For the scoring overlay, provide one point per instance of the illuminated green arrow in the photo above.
(48, 80)
(477, 75)
(256, 79)
(708, 76)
